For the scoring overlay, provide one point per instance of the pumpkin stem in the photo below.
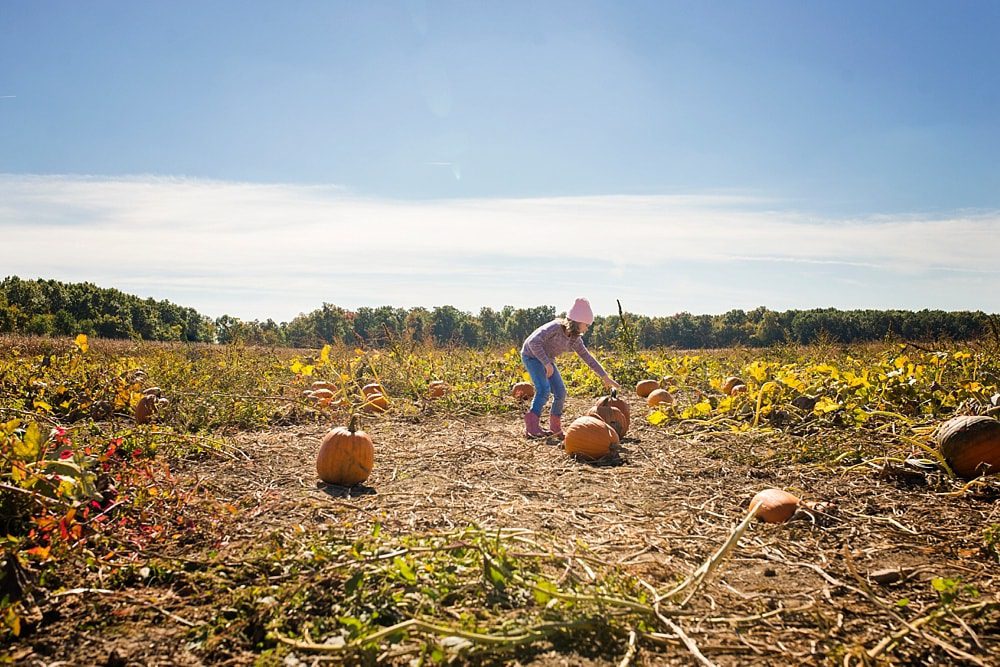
(614, 392)
(353, 425)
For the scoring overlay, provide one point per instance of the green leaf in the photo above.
(544, 590)
(404, 569)
(352, 584)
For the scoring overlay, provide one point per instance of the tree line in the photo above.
(50, 307)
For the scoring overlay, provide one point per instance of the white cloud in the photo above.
(273, 250)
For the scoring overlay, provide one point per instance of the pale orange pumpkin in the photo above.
(346, 456)
(776, 506)
(145, 409)
(589, 438)
(659, 396)
(645, 387)
(323, 384)
(738, 389)
(437, 388)
(729, 383)
(376, 403)
(523, 391)
(373, 388)
(970, 445)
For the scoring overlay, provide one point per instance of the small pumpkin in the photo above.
(776, 506)
(738, 389)
(659, 396)
(611, 416)
(322, 396)
(323, 384)
(617, 401)
(437, 388)
(376, 403)
(729, 383)
(145, 409)
(970, 445)
(346, 456)
(589, 438)
(523, 391)
(645, 387)
(373, 388)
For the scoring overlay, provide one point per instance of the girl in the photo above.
(538, 354)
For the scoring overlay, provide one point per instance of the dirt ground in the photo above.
(805, 592)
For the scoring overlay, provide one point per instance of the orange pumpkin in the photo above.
(589, 438)
(738, 389)
(608, 411)
(776, 506)
(660, 396)
(437, 388)
(376, 403)
(729, 383)
(323, 384)
(616, 401)
(523, 391)
(645, 387)
(145, 409)
(346, 456)
(970, 445)
(373, 388)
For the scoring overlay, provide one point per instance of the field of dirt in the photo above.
(884, 567)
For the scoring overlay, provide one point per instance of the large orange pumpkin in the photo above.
(523, 391)
(346, 456)
(659, 396)
(608, 411)
(776, 506)
(589, 438)
(729, 383)
(645, 387)
(970, 445)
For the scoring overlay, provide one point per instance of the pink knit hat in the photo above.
(581, 312)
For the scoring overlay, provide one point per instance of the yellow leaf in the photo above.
(81, 342)
(656, 418)
(296, 367)
(825, 405)
(324, 354)
(42, 405)
(29, 447)
(526, 377)
(11, 426)
(308, 370)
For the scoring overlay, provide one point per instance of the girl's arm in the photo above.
(595, 365)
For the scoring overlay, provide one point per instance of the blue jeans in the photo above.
(544, 386)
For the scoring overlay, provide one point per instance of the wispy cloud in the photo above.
(259, 250)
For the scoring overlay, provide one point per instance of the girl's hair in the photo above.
(571, 327)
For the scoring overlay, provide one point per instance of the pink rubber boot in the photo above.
(555, 425)
(531, 426)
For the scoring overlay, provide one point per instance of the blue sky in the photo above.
(261, 158)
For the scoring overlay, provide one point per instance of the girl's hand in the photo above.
(548, 370)
(609, 383)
